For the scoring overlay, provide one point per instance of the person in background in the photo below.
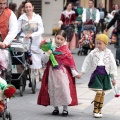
(58, 84)
(8, 28)
(30, 26)
(79, 12)
(67, 20)
(91, 15)
(20, 10)
(8, 31)
(107, 19)
(101, 61)
(116, 19)
(115, 10)
(13, 7)
(103, 13)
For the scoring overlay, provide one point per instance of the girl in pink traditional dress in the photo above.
(58, 84)
(67, 20)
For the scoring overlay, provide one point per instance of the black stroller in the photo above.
(87, 42)
(20, 58)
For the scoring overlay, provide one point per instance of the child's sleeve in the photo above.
(74, 72)
(113, 68)
(45, 57)
(87, 63)
(3, 81)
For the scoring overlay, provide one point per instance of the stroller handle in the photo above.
(30, 43)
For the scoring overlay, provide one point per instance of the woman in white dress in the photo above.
(30, 25)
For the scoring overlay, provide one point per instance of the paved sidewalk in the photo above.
(86, 96)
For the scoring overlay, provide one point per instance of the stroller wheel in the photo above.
(81, 52)
(21, 90)
(33, 81)
(33, 85)
(78, 53)
(4, 115)
(21, 87)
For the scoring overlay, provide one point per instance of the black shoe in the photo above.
(55, 112)
(30, 60)
(30, 85)
(65, 113)
(117, 62)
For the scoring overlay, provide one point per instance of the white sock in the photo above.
(65, 107)
(56, 108)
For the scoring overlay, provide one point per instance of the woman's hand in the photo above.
(28, 36)
(114, 82)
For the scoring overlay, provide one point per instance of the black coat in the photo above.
(116, 18)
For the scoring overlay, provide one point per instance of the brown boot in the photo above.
(101, 103)
(96, 103)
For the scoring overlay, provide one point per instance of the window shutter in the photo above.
(37, 6)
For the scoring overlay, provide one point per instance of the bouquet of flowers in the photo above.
(45, 46)
(9, 91)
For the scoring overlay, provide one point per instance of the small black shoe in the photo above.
(117, 62)
(65, 113)
(30, 85)
(55, 112)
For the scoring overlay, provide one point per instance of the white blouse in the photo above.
(36, 36)
(101, 55)
(100, 58)
(13, 26)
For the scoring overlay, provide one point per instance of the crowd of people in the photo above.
(58, 82)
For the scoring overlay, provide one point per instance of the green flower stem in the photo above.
(54, 62)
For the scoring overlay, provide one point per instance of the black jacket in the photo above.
(116, 18)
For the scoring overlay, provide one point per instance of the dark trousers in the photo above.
(79, 30)
(69, 29)
(118, 49)
(101, 26)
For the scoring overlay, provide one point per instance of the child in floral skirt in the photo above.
(103, 65)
